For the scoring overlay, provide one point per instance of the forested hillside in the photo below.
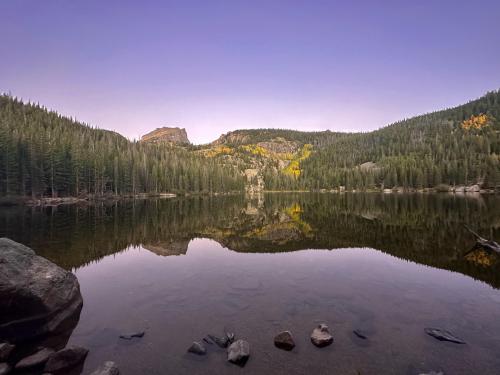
(458, 146)
(45, 154)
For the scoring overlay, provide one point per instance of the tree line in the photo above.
(45, 154)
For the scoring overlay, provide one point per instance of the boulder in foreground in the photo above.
(66, 359)
(38, 297)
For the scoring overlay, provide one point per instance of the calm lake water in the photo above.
(389, 265)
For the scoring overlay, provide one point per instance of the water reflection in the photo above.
(427, 229)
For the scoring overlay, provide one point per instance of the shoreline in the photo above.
(91, 199)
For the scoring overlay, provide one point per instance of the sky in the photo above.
(214, 66)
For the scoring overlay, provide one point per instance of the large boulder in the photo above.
(37, 297)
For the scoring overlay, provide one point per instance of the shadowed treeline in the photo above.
(424, 228)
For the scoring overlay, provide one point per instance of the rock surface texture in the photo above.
(166, 134)
(321, 336)
(284, 340)
(197, 348)
(238, 352)
(37, 359)
(38, 297)
(66, 359)
(5, 350)
(108, 368)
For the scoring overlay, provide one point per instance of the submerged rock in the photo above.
(5, 368)
(197, 348)
(443, 335)
(35, 360)
(63, 360)
(108, 368)
(321, 336)
(130, 336)
(5, 350)
(42, 297)
(360, 334)
(238, 352)
(284, 340)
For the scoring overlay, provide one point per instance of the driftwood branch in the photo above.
(484, 243)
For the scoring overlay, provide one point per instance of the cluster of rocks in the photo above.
(42, 305)
(238, 351)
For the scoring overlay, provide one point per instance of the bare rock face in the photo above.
(166, 134)
(38, 297)
(321, 336)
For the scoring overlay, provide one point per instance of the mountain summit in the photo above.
(166, 134)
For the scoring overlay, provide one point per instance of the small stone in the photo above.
(197, 348)
(5, 350)
(130, 336)
(284, 340)
(108, 368)
(321, 336)
(35, 360)
(238, 352)
(65, 359)
(5, 368)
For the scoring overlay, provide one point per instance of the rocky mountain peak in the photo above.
(166, 134)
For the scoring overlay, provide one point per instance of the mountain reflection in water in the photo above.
(423, 228)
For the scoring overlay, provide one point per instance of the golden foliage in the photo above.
(476, 122)
(219, 150)
(255, 150)
(293, 169)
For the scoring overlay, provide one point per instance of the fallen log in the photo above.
(481, 242)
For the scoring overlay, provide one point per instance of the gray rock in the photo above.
(197, 348)
(284, 340)
(224, 341)
(5, 368)
(40, 296)
(5, 350)
(65, 359)
(443, 335)
(35, 360)
(238, 352)
(108, 368)
(321, 336)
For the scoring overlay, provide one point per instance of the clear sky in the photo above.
(214, 66)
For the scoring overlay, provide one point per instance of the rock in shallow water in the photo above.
(284, 340)
(321, 336)
(130, 336)
(443, 335)
(238, 352)
(197, 348)
(360, 334)
(35, 360)
(63, 360)
(108, 368)
(42, 296)
(5, 350)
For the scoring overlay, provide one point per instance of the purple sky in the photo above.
(215, 66)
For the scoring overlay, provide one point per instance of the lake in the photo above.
(389, 265)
